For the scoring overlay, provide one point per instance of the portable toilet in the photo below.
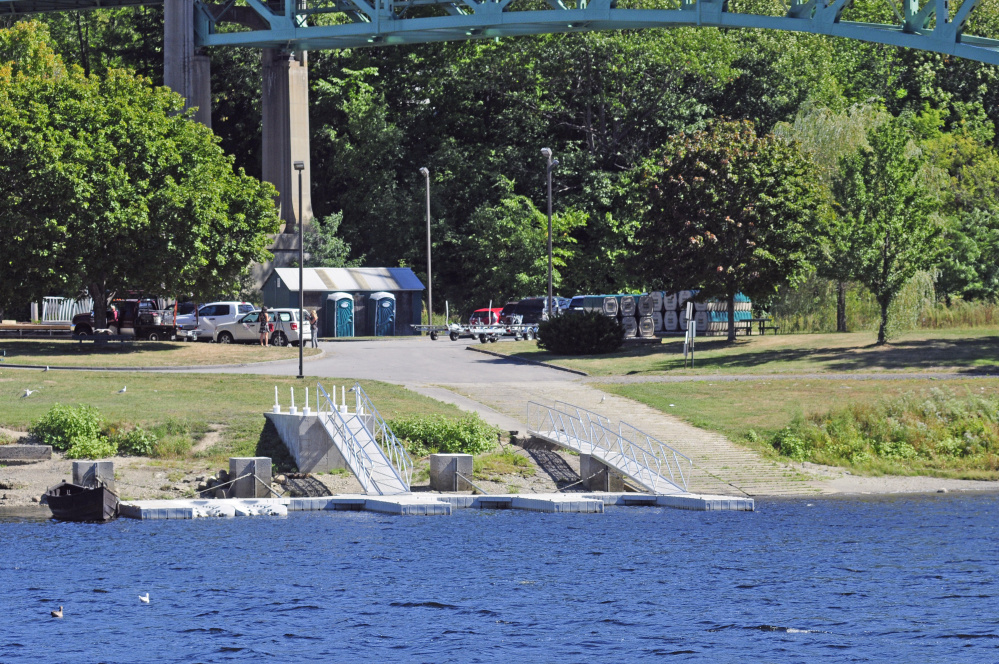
(381, 314)
(339, 318)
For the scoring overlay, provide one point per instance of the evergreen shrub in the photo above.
(585, 333)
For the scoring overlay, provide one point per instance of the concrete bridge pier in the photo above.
(186, 71)
(285, 118)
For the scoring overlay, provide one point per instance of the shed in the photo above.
(280, 289)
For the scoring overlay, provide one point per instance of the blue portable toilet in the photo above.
(339, 318)
(381, 314)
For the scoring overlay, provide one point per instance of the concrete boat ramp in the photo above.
(425, 505)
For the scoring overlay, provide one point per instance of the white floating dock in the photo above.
(416, 504)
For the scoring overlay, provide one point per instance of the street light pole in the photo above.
(430, 282)
(300, 166)
(552, 163)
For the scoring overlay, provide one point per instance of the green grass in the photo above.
(69, 353)
(495, 466)
(752, 412)
(181, 408)
(921, 351)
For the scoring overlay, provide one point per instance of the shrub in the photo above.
(64, 426)
(586, 333)
(427, 434)
(136, 442)
(92, 448)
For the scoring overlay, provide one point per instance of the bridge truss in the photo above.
(291, 25)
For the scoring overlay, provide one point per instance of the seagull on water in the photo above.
(122, 390)
(28, 393)
(144, 598)
(57, 614)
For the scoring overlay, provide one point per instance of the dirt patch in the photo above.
(213, 437)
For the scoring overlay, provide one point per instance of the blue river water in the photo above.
(905, 579)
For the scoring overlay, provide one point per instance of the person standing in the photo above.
(314, 322)
(264, 331)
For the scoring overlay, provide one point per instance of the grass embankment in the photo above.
(183, 409)
(945, 428)
(921, 351)
(69, 353)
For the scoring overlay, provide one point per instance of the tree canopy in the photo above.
(105, 185)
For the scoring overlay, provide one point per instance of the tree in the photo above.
(728, 211)
(881, 194)
(323, 247)
(105, 185)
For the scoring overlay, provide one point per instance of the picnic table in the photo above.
(763, 323)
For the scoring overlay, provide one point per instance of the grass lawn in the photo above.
(181, 408)
(735, 408)
(920, 351)
(69, 353)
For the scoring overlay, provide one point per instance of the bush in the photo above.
(92, 448)
(65, 426)
(586, 333)
(429, 434)
(136, 442)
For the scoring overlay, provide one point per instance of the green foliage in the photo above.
(92, 448)
(881, 197)
(430, 434)
(494, 466)
(64, 427)
(916, 432)
(99, 173)
(728, 211)
(580, 333)
(324, 247)
(137, 442)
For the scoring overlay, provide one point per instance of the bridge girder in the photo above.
(384, 22)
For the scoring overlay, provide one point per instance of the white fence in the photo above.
(62, 309)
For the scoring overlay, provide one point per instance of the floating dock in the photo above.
(414, 504)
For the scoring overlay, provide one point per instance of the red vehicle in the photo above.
(485, 317)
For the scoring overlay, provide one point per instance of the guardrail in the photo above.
(336, 426)
(393, 450)
(653, 464)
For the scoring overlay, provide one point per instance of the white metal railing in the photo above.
(62, 309)
(353, 451)
(393, 450)
(653, 464)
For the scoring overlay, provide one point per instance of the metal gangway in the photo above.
(372, 452)
(651, 463)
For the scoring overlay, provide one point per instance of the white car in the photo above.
(283, 328)
(211, 315)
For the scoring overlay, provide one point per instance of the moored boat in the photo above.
(72, 502)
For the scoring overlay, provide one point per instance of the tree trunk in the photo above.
(98, 293)
(731, 316)
(841, 306)
(882, 329)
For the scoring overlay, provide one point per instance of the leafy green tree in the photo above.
(728, 211)
(105, 185)
(324, 247)
(881, 194)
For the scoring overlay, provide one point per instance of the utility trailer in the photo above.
(484, 333)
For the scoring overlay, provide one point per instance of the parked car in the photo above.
(283, 328)
(485, 317)
(209, 316)
(533, 309)
(508, 313)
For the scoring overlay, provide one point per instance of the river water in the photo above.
(905, 579)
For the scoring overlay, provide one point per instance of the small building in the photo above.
(352, 301)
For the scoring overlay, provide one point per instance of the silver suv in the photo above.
(210, 316)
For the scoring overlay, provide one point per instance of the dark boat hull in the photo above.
(70, 502)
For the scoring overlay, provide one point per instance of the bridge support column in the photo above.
(185, 71)
(604, 478)
(285, 119)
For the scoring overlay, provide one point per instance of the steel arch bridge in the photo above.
(929, 25)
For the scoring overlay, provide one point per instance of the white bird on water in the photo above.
(144, 598)
(122, 390)
(28, 393)
(57, 614)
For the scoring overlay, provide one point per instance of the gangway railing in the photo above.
(380, 467)
(645, 459)
(394, 450)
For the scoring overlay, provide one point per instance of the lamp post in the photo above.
(300, 166)
(430, 282)
(552, 163)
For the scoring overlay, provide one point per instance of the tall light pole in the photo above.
(430, 282)
(300, 166)
(552, 163)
